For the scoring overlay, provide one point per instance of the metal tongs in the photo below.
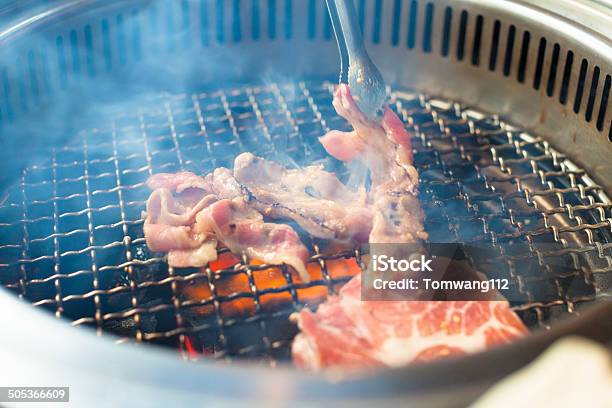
(356, 68)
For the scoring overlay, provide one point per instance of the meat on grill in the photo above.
(169, 219)
(312, 197)
(178, 182)
(345, 332)
(189, 224)
(348, 333)
(242, 229)
(385, 148)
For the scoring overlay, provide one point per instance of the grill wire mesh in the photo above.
(71, 237)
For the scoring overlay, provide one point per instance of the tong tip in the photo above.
(368, 89)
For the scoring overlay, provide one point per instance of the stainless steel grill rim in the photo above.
(56, 54)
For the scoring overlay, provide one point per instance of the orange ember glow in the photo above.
(238, 286)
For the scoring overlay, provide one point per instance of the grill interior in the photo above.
(71, 236)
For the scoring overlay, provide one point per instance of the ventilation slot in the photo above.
(327, 25)
(448, 19)
(395, 30)
(186, 24)
(62, 65)
(580, 86)
(22, 89)
(461, 39)
(272, 19)
(236, 29)
(153, 29)
(312, 19)
(567, 71)
(220, 18)
(494, 46)
(7, 95)
(412, 22)
(204, 24)
(106, 46)
(361, 12)
(376, 22)
(74, 52)
(169, 38)
(603, 106)
(552, 74)
(588, 115)
(121, 47)
(89, 53)
(523, 58)
(288, 19)
(509, 49)
(477, 41)
(429, 13)
(44, 66)
(33, 78)
(255, 20)
(136, 36)
(537, 78)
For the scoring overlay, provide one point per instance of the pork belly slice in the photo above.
(312, 197)
(242, 229)
(188, 187)
(163, 208)
(170, 220)
(223, 184)
(347, 333)
(189, 224)
(177, 182)
(384, 147)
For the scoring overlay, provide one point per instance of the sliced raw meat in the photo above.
(224, 185)
(312, 197)
(164, 238)
(329, 339)
(187, 187)
(176, 181)
(384, 147)
(348, 333)
(189, 224)
(197, 257)
(243, 229)
(163, 208)
(169, 220)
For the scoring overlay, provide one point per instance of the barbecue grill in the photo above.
(509, 105)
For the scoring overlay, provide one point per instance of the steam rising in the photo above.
(77, 70)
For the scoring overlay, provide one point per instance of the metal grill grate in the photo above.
(71, 236)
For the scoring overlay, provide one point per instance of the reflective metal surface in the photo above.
(543, 66)
(72, 239)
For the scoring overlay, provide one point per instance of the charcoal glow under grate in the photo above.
(71, 236)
